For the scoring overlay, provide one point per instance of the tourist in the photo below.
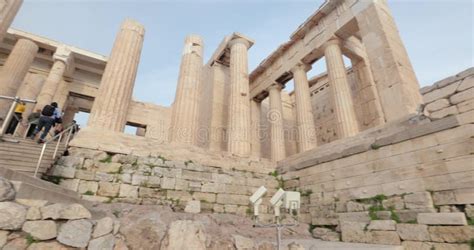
(17, 117)
(33, 120)
(50, 115)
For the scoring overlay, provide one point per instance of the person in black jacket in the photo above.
(49, 116)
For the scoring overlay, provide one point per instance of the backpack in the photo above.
(48, 110)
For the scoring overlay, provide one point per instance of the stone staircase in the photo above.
(22, 156)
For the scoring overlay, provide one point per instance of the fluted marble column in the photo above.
(346, 121)
(110, 107)
(304, 115)
(7, 14)
(184, 118)
(14, 70)
(255, 112)
(275, 117)
(239, 110)
(61, 59)
(29, 89)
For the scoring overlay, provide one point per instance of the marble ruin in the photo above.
(377, 159)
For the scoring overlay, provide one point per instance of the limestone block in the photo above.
(71, 184)
(89, 187)
(32, 203)
(181, 184)
(464, 196)
(437, 105)
(218, 208)
(355, 207)
(33, 213)
(458, 234)
(3, 237)
(12, 216)
(41, 230)
(194, 185)
(383, 225)
(466, 106)
(235, 189)
(446, 246)
(467, 83)
(50, 245)
(104, 177)
(181, 195)
(416, 245)
(71, 161)
(452, 110)
(418, 200)
(193, 207)
(185, 233)
(212, 187)
(295, 246)
(353, 231)
(326, 234)
(144, 192)
(125, 178)
(75, 233)
(355, 216)
(168, 183)
(106, 242)
(194, 175)
(108, 189)
(440, 93)
(64, 171)
(230, 209)
(128, 191)
(139, 180)
(384, 237)
(462, 96)
(116, 227)
(16, 243)
(413, 232)
(442, 219)
(104, 226)
(234, 199)
(383, 215)
(7, 191)
(65, 211)
(411, 215)
(469, 210)
(241, 242)
(394, 202)
(207, 197)
(94, 198)
(111, 167)
(153, 181)
(444, 197)
(85, 175)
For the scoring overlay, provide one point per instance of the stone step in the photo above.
(28, 148)
(21, 157)
(316, 244)
(20, 177)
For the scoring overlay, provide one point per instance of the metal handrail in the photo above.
(11, 111)
(59, 137)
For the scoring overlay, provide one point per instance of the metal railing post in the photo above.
(8, 118)
(57, 146)
(39, 160)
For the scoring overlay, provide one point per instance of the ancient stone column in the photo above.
(220, 96)
(392, 70)
(255, 112)
(184, 118)
(110, 107)
(141, 132)
(275, 117)
(7, 14)
(346, 121)
(29, 89)
(69, 114)
(304, 114)
(14, 70)
(239, 109)
(61, 59)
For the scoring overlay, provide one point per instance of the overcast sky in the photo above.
(437, 34)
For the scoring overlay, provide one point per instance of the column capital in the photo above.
(63, 53)
(130, 24)
(275, 85)
(301, 66)
(239, 40)
(332, 41)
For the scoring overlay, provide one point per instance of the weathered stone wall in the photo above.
(156, 119)
(423, 165)
(103, 177)
(450, 96)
